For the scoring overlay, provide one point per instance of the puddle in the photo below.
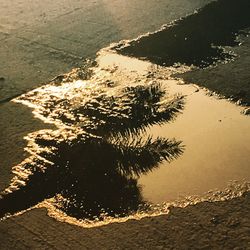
(119, 147)
(217, 150)
(214, 132)
(196, 39)
(91, 163)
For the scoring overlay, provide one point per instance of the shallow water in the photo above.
(217, 150)
(64, 167)
(95, 115)
(215, 135)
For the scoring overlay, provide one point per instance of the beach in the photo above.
(218, 225)
(59, 110)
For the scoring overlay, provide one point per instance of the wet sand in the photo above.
(230, 80)
(40, 40)
(208, 225)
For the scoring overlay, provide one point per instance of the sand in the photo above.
(42, 39)
(216, 225)
(230, 80)
(45, 44)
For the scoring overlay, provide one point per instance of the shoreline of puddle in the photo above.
(193, 174)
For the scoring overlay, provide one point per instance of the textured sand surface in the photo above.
(217, 225)
(41, 39)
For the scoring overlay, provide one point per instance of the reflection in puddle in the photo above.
(215, 134)
(195, 39)
(99, 161)
(90, 165)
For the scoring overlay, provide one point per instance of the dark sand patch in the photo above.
(207, 38)
(195, 39)
(231, 80)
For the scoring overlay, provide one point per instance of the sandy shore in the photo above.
(40, 40)
(217, 225)
(49, 41)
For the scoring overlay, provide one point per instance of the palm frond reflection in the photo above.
(93, 165)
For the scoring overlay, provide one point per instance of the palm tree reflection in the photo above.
(92, 165)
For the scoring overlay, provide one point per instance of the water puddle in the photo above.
(213, 130)
(90, 165)
(128, 138)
